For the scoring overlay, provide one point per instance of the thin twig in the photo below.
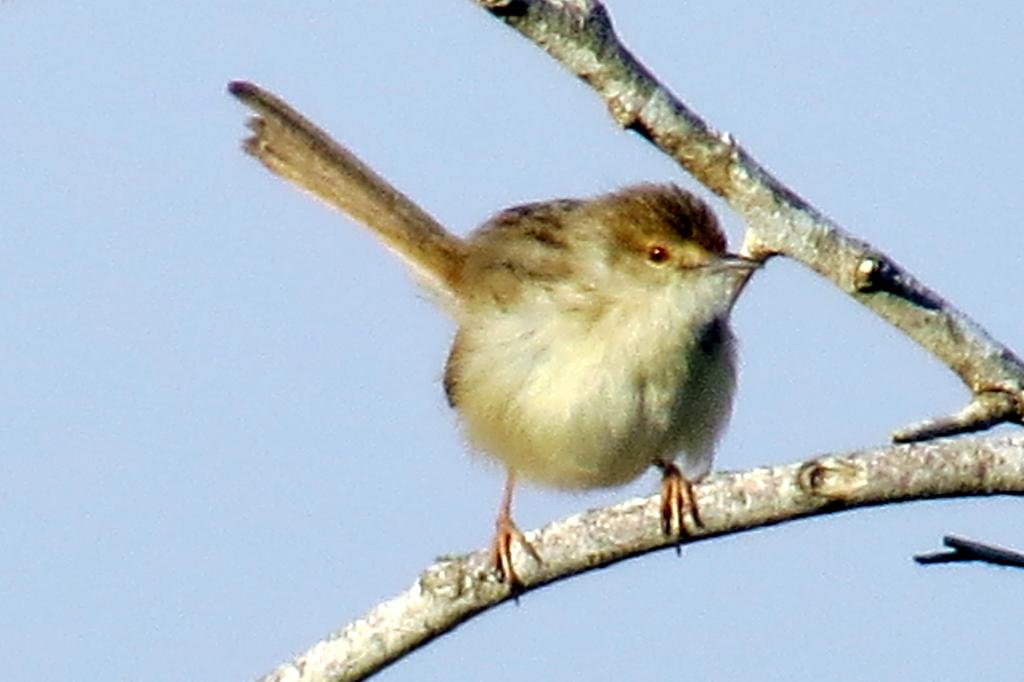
(579, 34)
(964, 549)
(457, 588)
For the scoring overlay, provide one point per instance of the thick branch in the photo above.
(457, 588)
(579, 34)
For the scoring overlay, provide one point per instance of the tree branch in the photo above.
(579, 34)
(457, 588)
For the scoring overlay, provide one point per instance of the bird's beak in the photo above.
(732, 261)
(736, 271)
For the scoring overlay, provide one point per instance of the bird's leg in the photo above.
(505, 532)
(677, 501)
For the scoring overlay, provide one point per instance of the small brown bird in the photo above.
(593, 337)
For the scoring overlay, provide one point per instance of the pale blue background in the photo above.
(222, 432)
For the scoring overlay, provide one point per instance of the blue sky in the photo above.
(223, 430)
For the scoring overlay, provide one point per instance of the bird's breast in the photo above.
(584, 402)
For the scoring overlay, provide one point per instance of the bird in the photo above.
(593, 339)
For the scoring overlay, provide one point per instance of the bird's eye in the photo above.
(657, 254)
